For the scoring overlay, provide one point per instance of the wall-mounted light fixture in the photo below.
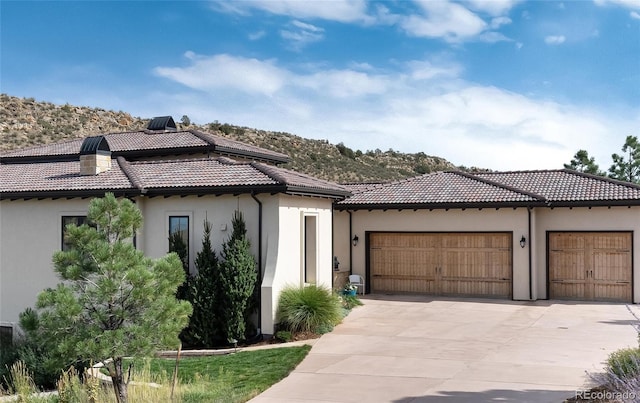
(355, 240)
(523, 241)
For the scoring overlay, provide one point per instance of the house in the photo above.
(178, 178)
(528, 235)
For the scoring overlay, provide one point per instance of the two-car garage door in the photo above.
(593, 266)
(470, 264)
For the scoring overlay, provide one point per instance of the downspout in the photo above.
(350, 246)
(530, 255)
(333, 252)
(259, 282)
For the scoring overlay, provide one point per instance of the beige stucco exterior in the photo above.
(515, 221)
(31, 231)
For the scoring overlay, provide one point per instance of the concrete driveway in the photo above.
(420, 349)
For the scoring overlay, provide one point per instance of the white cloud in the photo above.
(450, 21)
(225, 71)
(635, 15)
(335, 10)
(423, 105)
(254, 36)
(555, 39)
(493, 7)
(632, 4)
(300, 34)
(497, 22)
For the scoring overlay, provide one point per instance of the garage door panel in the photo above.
(612, 292)
(476, 287)
(590, 266)
(567, 265)
(403, 284)
(435, 263)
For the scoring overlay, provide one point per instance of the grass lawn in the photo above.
(230, 378)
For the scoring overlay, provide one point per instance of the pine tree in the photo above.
(581, 162)
(237, 279)
(626, 167)
(113, 301)
(204, 329)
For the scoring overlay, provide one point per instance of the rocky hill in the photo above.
(25, 122)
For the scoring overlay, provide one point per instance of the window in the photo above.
(310, 249)
(6, 335)
(70, 219)
(179, 238)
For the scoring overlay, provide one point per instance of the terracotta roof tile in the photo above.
(169, 177)
(59, 176)
(197, 173)
(442, 188)
(149, 141)
(566, 185)
(299, 180)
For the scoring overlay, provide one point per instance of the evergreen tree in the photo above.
(581, 162)
(178, 246)
(204, 329)
(113, 301)
(237, 279)
(626, 167)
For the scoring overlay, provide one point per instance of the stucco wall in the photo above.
(456, 220)
(30, 232)
(584, 219)
(284, 260)
(154, 237)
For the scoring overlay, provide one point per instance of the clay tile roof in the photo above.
(361, 187)
(159, 177)
(59, 176)
(197, 173)
(299, 181)
(69, 147)
(441, 189)
(151, 142)
(566, 185)
(223, 143)
(148, 140)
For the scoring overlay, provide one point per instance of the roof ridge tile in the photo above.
(503, 186)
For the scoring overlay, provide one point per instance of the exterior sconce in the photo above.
(523, 241)
(355, 240)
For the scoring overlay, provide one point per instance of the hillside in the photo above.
(26, 122)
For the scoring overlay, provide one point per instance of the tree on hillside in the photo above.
(238, 277)
(113, 301)
(626, 167)
(581, 162)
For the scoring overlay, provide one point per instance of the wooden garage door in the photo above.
(473, 264)
(594, 266)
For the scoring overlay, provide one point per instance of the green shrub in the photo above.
(34, 358)
(624, 363)
(308, 308)
(284, 336)
(350, 301)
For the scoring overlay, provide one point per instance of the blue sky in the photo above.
(499, 84)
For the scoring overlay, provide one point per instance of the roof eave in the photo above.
(67, 194)
(435, 206)
(335, 194)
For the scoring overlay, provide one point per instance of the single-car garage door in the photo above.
(593, 266)
(471, 264)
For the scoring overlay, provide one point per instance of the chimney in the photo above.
(95, 156)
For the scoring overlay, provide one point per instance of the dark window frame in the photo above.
(186, 235)
(66, 220)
